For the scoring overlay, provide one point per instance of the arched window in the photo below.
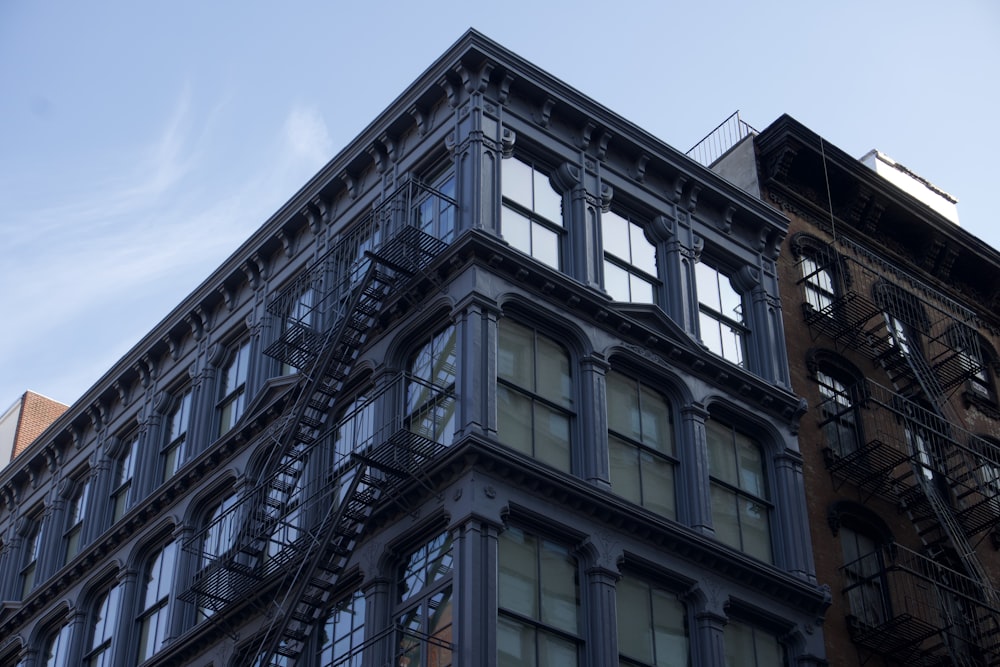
(157, 592)
(343, 633)
(32, 536)
(424, 604)
(819, 269)
(741, 504)
(124, 492)
(76, 513)
(652, 625)
(233, 385)
(430, 391)
(841, 390)
(531, 218)
(103, 626)
(175, 441)
(534, 394)
(641, 444)
(217, 537)
(57, 647)
(434, 210)
(865, 540)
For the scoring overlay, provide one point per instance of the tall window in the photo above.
(740, 505)
(817, 284)
(31, 553)
(76, 513)
(343, 633)
(539, 596)
(219, 536)
(839, 413)
(534, 395)
(629, 259)
(864, 578)
(176, 449)
(298, 324)
(531, 218)
(652, 626)
(233, 386)
(748, 646)
(56, 653)
(122, 495)
(435, 210)
(103, 626)
(722, 320)
(430, 392)
(156, 589)
(640, 444)
(424, 605)
(286, 494)
(354, 433)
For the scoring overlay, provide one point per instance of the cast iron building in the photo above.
(504, 384)
(892, 335)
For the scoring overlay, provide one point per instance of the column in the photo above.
(475, 593)
(708, 641)
(795, 547)
(601, 555)
(675, 267)
(696, 502)
(594, 421)
(476, 333)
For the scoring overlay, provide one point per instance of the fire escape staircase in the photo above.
(272, 547)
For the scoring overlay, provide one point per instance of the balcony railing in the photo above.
(717, 143)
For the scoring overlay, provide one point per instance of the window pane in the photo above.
(514, 362)
(643, 252)
(514, 420)
(641, 290)
(616, 235)
(731, 301)
(552, 437)
(623, 406)
(559, 593)
(721, 462)
(634, 620)
(656, 430)
(548, 202)
(516, 179)
(668, 625)
(554, 381)
(518, 581)
(751, 467)
(555, 652)
(616, 282)
(708, 286)
(515, 644)
(625, 478)
(711, 334)
(658, 485)
(545, 245)
(724, 516)
(516, 229)
(756, 529)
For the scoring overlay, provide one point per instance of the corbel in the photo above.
(286, 242)
(77, 434)
(251, 274)
(602, 145)
(377, 154)
(566, 177)
(389, 145)
(150, 365)
(449, 90)
(261, 265)
(586, 134)
(197, 320)
(10, 497)
(123, 391)
(419, 118)
(726, 223)
(52, 458)
(143, 373)
(172, 347)
(227, 295)
(675, 188)
(475, 81)
(503, 92)
(544, 114)
(607, 194)
(507, 139)
(691, 198)
(351, 183)
(639, 168)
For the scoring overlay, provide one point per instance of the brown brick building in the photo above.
(25, 420)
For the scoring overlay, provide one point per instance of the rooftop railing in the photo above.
(719, 141)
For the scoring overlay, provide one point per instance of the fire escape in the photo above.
(279, 551)
(906, 443)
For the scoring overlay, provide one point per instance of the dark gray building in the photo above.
(504, 384)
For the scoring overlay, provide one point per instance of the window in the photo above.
(157, 588)
(748, 646)
(864, 578)
(629, 259)
(343, 633)
(31, 554)
(56, 653)
(122, 496)
(435, 209)
(233, 387)
(534, 395)
(838, 410)
(178, 421)
(652, 625)
(424, 605)
(219, 537)
(538, 623)
(740, 506)
(286, 493)
(531, 218)
(76, 513)
(817, 285)
(355, 432)
(721, 320)
(430, 391)
(640, 444)
(298, 326)
(103, 627)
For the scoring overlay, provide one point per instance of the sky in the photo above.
(142, 142)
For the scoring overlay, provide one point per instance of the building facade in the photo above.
(892, 335)
(504, 384)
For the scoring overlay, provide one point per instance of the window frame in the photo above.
(431, 401)
(530, 213)
(105, 615)
(32, 544)
(77, 508)
(330, 648)
(177, 444)
(627, 265)
(154, 615)
(58, 646)
(126, 467)
(410, 605)
(437, 196)
(233, 396)
(712, 313)
(650, 589)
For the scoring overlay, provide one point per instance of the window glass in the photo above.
(233, 387)
(747, 646)
(219, 536)
(343, 633)
(532, 212)
(122, 496)
(534, 394)
(175, 452)
(157, 588)
(721, 319)
(539, 598)
(435, 210)
(56, 652)
(739, 492)
(864, 577)
(32, 552)
(652, 625)
(430, 393)
(424, 605)
(629, 259)
(76, 514)
(840, 422)
(640, 442)
(103, 627)
(818, 285)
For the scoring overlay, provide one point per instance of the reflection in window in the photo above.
(864, 572)
(640, 444)
(817, 284)
(76, 513)
(424, 605)
(539, 599)
(233, 387)
(839, 421)
(343, 633)
(534, 394)
(740, 505)
(122, 496)
(103, 627)
(430, 393)
(300, 316)
(652, 625)
(32, 546)
(176, 450)
(747, 646)
(531, 218)
(435, 215)
(219, 537)
(629, 259)
(56, 653)
(156, 590)
(721, 320)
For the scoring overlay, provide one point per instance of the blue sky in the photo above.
(141, 143)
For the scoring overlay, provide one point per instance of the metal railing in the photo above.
(717, 143)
